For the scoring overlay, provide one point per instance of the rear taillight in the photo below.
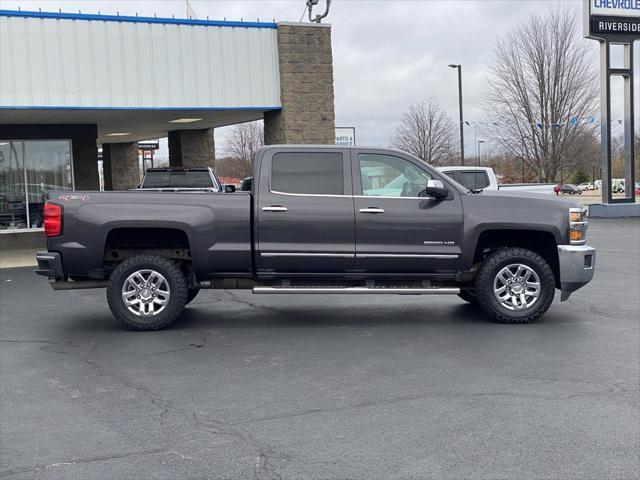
(52, 219)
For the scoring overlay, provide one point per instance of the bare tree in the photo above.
(543, 91)
(426, 132)
(243, 140)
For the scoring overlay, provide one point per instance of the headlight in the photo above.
(578, 226)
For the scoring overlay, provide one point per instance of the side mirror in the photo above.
(229, 188)
(436, 189)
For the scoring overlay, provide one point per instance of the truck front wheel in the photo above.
(147, 292)
(515, 285)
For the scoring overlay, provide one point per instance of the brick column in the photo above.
(120, 165)
(191, 148)
(306, 87)
(85, 163)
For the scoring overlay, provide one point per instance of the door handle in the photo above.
(371, 210)
(274, 208)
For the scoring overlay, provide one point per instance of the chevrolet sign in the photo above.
(619, 19)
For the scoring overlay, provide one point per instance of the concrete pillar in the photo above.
(85, 163)
(120, 165)
(306, 87)
(191, 148)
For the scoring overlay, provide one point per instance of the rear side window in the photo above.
(476, 180)
(313, 173)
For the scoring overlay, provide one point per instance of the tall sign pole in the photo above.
(459, 68)
(461, 115)
(615, 23)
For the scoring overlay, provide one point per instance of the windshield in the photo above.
(177, 179)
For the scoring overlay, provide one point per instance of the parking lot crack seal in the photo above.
(611, 387)
(163, 352)
(36, 468)
(263, 469)
(49, 342)
(236, 299)
(164, 404)
(212, 426)
(409, 398)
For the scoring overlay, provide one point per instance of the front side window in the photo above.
(312, 173)
(390, 176)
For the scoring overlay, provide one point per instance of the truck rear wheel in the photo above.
(515, 285)
(147, 292)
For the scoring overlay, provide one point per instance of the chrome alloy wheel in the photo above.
(146, 293)
(516, 287)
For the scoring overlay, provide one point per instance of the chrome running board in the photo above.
(356, 290)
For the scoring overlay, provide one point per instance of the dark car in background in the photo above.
(571, 189)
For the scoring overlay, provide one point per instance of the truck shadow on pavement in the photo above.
(216, 315)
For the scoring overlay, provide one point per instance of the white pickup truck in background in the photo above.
(484, 178)
(182, 179)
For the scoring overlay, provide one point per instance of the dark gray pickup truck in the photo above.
(319, 220)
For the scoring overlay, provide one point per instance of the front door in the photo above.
(399, 229)
(305, 213)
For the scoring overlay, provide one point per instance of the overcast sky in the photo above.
(387, 54)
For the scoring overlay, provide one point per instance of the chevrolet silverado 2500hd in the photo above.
(319, 220)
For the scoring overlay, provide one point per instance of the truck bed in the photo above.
(217, 226)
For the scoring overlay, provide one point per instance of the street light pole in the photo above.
(459, 68)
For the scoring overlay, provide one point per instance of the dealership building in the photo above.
(73, 83)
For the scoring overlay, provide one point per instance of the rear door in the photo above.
(305, 212)
(398, 229)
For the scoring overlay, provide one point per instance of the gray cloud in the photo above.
(387, 54)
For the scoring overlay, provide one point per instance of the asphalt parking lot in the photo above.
(325, 387)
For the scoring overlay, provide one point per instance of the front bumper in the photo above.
(50, 265)
(577, 266)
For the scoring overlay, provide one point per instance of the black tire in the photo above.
(468, 295)
(177, 288)
(490, 268)
(191, 294)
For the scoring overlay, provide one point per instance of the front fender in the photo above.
(486, 212)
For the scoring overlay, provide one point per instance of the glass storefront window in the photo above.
(28, 170)
(13, 208)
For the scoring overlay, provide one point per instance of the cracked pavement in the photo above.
(290, 387)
